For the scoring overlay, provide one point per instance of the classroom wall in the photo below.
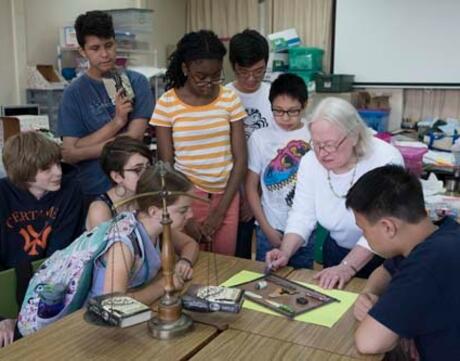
(7, 69)
(35, 25)
(168, 24)
(45, 17)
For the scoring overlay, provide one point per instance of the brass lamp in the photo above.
(170, 321)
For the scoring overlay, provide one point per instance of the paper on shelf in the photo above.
(326, 315)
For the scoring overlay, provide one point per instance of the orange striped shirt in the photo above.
(201, 136)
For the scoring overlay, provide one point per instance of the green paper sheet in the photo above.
(326, 315)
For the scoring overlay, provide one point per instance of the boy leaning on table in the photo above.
(415, 295)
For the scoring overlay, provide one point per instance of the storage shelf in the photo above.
(119, 50)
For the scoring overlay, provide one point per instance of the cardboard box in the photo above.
(367, 100)
(33, 122)
(44, 77)
(379, 102)
(9, 126)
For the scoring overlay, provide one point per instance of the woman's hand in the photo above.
(276, 258)
(363, 304)
(184, 269)
(336, 276)
(7, 331)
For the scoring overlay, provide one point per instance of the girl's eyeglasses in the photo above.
(202, 82)
(138, 170)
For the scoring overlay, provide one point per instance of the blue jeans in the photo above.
(303, 258)
(333, 254)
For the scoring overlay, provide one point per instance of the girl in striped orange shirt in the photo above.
(199, 128)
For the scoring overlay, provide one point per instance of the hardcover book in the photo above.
(213, 298)
(119, 310)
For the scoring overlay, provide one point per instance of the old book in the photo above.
(213, 298)
(119, 310)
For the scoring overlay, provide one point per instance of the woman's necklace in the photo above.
(351, 182)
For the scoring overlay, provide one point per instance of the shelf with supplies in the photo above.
(119, 50)
(133, 35)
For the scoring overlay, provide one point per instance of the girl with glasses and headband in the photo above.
(123, 161)
(343, 150)
(199, 128)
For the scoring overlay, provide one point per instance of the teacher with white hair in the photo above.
(344, 150)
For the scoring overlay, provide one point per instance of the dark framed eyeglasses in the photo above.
(202, 82)
(256, 74)
(328, 147)
(138, 170)
(279, 113)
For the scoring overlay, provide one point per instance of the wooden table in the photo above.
(226, 268)
(72, 338)
(249, 335)
(233, 345)
(337, 340)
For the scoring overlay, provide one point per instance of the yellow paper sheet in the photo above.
(326, 315)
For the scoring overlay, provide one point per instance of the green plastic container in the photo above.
(301, 58)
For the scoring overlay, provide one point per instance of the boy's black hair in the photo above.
(247, 48)
(96, 23)
(388, 191)
(203, 44)
(291, 85)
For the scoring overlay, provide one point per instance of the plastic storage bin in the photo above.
(375, 119)
(385, 136)
(48, 101)
(125, 39)
(334, 83)
(301, 58)
(413, 157)
(132, 20)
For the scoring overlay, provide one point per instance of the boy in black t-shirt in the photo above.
(41, 208)
(420, 300)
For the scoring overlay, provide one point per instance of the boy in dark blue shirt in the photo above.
(420, 300)
(88, 116)
(41, 208)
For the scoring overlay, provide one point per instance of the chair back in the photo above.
(8, 305)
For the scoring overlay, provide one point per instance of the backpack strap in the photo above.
(125, 226)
